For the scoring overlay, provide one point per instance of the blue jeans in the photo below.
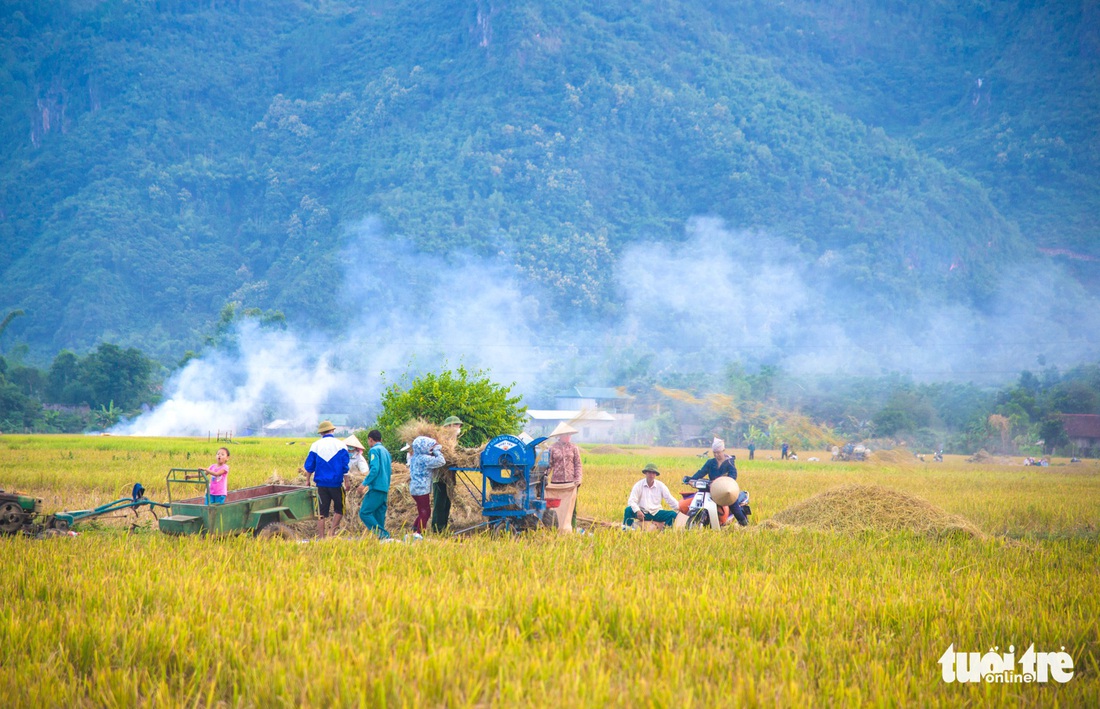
(215, 499)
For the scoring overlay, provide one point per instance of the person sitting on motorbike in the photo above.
(722, 464)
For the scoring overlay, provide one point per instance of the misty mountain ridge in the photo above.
(853, 185)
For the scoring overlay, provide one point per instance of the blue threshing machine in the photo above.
(512, 487)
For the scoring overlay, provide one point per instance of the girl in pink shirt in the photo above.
(219, 479)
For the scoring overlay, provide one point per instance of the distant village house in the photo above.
(1083, 431)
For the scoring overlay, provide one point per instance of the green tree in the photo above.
(903, 412)
(18, 412)
(8, 318)
(63, 385)
(484, 406)
(1075, 397)
(223, 335)
(122, 377)
(1053, 432)
(106, 416)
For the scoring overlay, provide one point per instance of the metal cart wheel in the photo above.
(276, 530)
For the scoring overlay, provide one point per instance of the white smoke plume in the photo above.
(720, 295)
(224, 392)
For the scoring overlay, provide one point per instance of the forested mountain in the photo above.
(161, 158)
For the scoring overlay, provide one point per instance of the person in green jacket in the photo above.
(376, 485)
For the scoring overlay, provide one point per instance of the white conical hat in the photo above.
(563, 429)
(724, 490)
(353, 442)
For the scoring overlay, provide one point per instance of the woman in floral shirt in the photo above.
(565, 474)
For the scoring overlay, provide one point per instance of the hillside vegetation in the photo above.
(160, 159)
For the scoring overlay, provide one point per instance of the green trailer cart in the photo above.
(250, 509)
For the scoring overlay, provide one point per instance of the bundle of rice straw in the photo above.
(455, 455)
(857, 508)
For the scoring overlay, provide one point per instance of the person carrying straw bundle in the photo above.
(426, 456)
(441, 498)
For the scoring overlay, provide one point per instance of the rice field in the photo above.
(751, 617)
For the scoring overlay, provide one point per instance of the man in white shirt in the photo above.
(645, 501)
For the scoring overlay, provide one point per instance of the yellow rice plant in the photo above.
(752, 617)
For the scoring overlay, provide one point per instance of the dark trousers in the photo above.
(665, 517)
(737, 512)
(423, 512)
(752, 453)
(372, 511)
(441, 506)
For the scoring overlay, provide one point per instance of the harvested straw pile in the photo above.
(984, 456)
(895, 457)
(859, 508)
(609, 450)
(981, 456)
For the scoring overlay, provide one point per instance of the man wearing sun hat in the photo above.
(327, 464)
(565, 474)
(645, 500)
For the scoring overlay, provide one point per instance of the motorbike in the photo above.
(703, 510)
